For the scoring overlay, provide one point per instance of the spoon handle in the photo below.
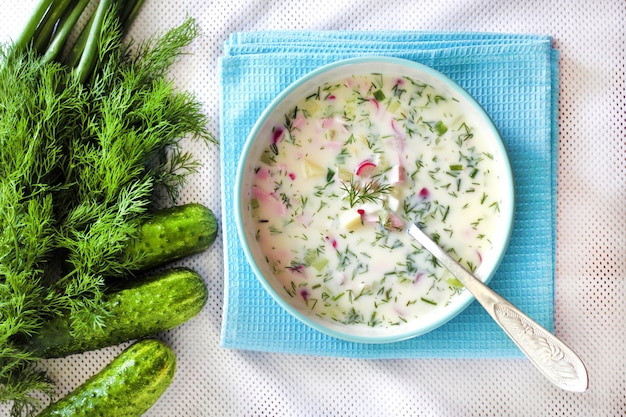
(559, 363)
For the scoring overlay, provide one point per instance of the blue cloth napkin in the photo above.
(514, 77)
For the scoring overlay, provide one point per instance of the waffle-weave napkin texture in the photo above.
(514, 77)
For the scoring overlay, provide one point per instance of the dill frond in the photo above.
(361, 192)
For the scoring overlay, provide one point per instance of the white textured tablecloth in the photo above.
(590, 295)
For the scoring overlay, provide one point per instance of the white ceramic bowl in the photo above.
(257, 142)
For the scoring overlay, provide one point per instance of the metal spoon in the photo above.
(560, 364)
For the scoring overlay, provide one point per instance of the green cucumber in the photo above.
(171, 234)
(141, 308)
(128, 386)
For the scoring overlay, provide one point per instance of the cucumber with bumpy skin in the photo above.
(171, 234)
(141, 308)
(128, 386)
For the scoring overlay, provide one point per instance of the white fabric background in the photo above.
(591, 228)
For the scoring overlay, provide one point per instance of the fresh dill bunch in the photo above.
(85, 153)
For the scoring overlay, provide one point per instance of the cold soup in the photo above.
(340, 176)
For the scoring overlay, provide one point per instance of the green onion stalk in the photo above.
(53, 21)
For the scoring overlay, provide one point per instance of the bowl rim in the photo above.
(463, 300)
